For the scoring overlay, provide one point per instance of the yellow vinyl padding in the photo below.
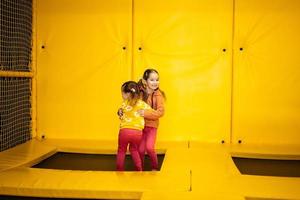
(188, 172)
(81, 66)
(230, 69)
(83, 63)
(266, 83)
(26, 154)
(184, 41)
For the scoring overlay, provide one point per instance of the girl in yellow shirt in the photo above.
(131, 125)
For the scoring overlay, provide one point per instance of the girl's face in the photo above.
(153, 81)
(125, 95)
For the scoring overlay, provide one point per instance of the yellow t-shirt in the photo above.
(131, 118)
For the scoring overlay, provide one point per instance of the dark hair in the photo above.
(132, 88)
(143, 85)
(147, 73)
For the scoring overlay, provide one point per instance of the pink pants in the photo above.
(147, 145)
(133, 138)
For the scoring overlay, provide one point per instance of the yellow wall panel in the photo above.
(266, 103)
(184, 41)
(81, 67)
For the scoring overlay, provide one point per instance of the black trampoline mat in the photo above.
(92, 162)
(268, 167)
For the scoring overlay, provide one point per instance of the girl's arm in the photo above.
(159, 112)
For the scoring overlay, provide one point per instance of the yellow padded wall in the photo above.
(81, 67)
(184, 41)
(266, 103)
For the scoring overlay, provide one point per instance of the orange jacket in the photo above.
(156, 101)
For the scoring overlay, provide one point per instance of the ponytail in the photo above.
(132, 88)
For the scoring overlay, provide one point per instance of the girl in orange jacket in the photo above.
(154, 97)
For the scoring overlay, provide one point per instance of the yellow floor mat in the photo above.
(191, 170)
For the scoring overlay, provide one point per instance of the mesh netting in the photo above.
(15, 111)
(15, 55)
(15, 34)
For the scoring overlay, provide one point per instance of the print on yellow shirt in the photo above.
(131, 118)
